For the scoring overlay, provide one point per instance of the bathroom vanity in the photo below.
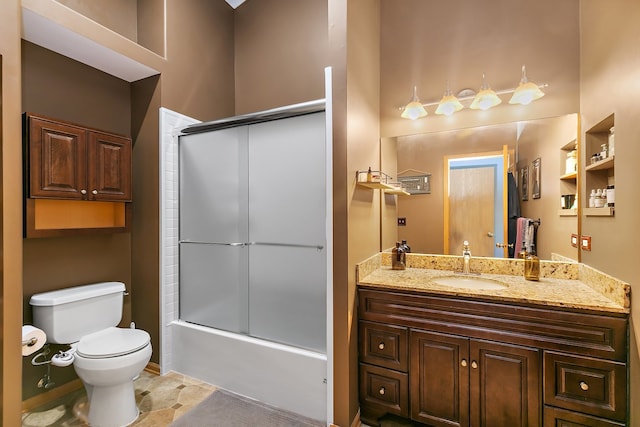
(552, 353)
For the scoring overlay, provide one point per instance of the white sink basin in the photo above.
(469, 282)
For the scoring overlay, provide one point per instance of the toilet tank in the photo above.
(66, 315)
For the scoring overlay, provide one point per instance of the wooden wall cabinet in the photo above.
(66, 161)
(77, 179)
(457, 362)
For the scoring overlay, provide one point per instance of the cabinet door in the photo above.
(439, 386)
(504, 385)
(57, 167)
(109, 167)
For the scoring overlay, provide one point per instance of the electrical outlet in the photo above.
(574, 240)
(402, 222)
(585, 243)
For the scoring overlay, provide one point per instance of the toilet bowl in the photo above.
(105, 357)
(107, 361)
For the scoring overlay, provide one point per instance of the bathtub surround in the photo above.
(272, 370)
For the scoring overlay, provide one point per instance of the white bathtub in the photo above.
(286, 377)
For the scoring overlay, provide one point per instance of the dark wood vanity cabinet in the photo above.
(67, 161)
(459, 362)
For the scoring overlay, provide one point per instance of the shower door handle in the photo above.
(286, 245)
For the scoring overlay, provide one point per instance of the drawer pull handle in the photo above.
(474, 364)
(381, 346)
(464, 363)
(381, 391)
(584, 386)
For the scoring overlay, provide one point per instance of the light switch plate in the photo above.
(574, 240)
(585, 243)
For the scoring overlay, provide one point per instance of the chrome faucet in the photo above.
(466, 255)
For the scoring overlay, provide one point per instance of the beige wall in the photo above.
(427, 43)
(554, 233)
(281, 50)
(11, 250)
(610, 67)
(363, 150)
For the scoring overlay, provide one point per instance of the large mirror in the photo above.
(521, 167)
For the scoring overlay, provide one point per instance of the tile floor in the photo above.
(161, 400)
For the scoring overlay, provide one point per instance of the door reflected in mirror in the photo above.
(428, 216)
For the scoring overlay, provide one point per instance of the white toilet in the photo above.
(106, 358)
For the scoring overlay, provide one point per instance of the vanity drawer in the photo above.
(384, 345)
(387, 390)
(593, 386)
(555, 417)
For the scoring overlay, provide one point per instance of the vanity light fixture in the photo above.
(485, 98)
(526, 92)
(449, 103)
(414, 109)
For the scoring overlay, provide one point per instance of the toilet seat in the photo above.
(112, 342)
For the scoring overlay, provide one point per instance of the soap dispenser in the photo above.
(398, 258)
(405, 247)
(532, 265)
(523, 252)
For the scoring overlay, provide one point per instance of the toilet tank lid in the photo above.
(76, 293)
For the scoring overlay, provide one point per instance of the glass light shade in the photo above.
(448, 105)
(485, 99)
(526, 93)
(414, 109)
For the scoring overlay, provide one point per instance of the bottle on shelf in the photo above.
(612, 141)
(603, 151)
(369, 175)
(532, 265)
(398, 258)
(611, 196)
(592, 199)
(571, 164)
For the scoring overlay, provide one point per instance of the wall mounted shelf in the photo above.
(599, 211)
(378, 180)
(567, 212)
(604, 164)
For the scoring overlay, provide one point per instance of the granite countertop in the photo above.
(577, 291)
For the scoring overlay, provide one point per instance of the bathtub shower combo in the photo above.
(253, 256)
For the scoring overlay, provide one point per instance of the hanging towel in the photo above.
(513, 214)
(521, 234)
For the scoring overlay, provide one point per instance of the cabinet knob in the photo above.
(83, 192)
(381, 391)
(381, 346)
(464, 363)
(94, 192)
(474, 364)
(584, 386)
